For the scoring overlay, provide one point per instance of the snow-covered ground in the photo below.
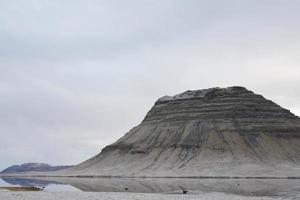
(6, 195)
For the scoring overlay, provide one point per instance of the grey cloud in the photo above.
(76, 75)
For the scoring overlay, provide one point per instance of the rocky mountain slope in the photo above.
(32, 167)
(212, 132)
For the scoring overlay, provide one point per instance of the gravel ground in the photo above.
(7, 195)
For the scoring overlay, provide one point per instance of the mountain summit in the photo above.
(212, 132)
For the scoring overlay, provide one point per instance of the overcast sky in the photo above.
(76, 75)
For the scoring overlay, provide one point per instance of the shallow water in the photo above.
(286, 188)
(3, 183)
(47, 185)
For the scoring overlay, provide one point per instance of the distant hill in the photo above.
(33, 167)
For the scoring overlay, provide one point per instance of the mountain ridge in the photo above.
(33, 167)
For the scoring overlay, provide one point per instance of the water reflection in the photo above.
(246, 187)
(48, 185)
(28, 182)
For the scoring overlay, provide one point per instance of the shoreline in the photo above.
(147, 177)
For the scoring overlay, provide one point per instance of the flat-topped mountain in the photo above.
(211, 132)
(32, 167)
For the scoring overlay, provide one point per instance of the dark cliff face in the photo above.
(197, 130)
(215, 103)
